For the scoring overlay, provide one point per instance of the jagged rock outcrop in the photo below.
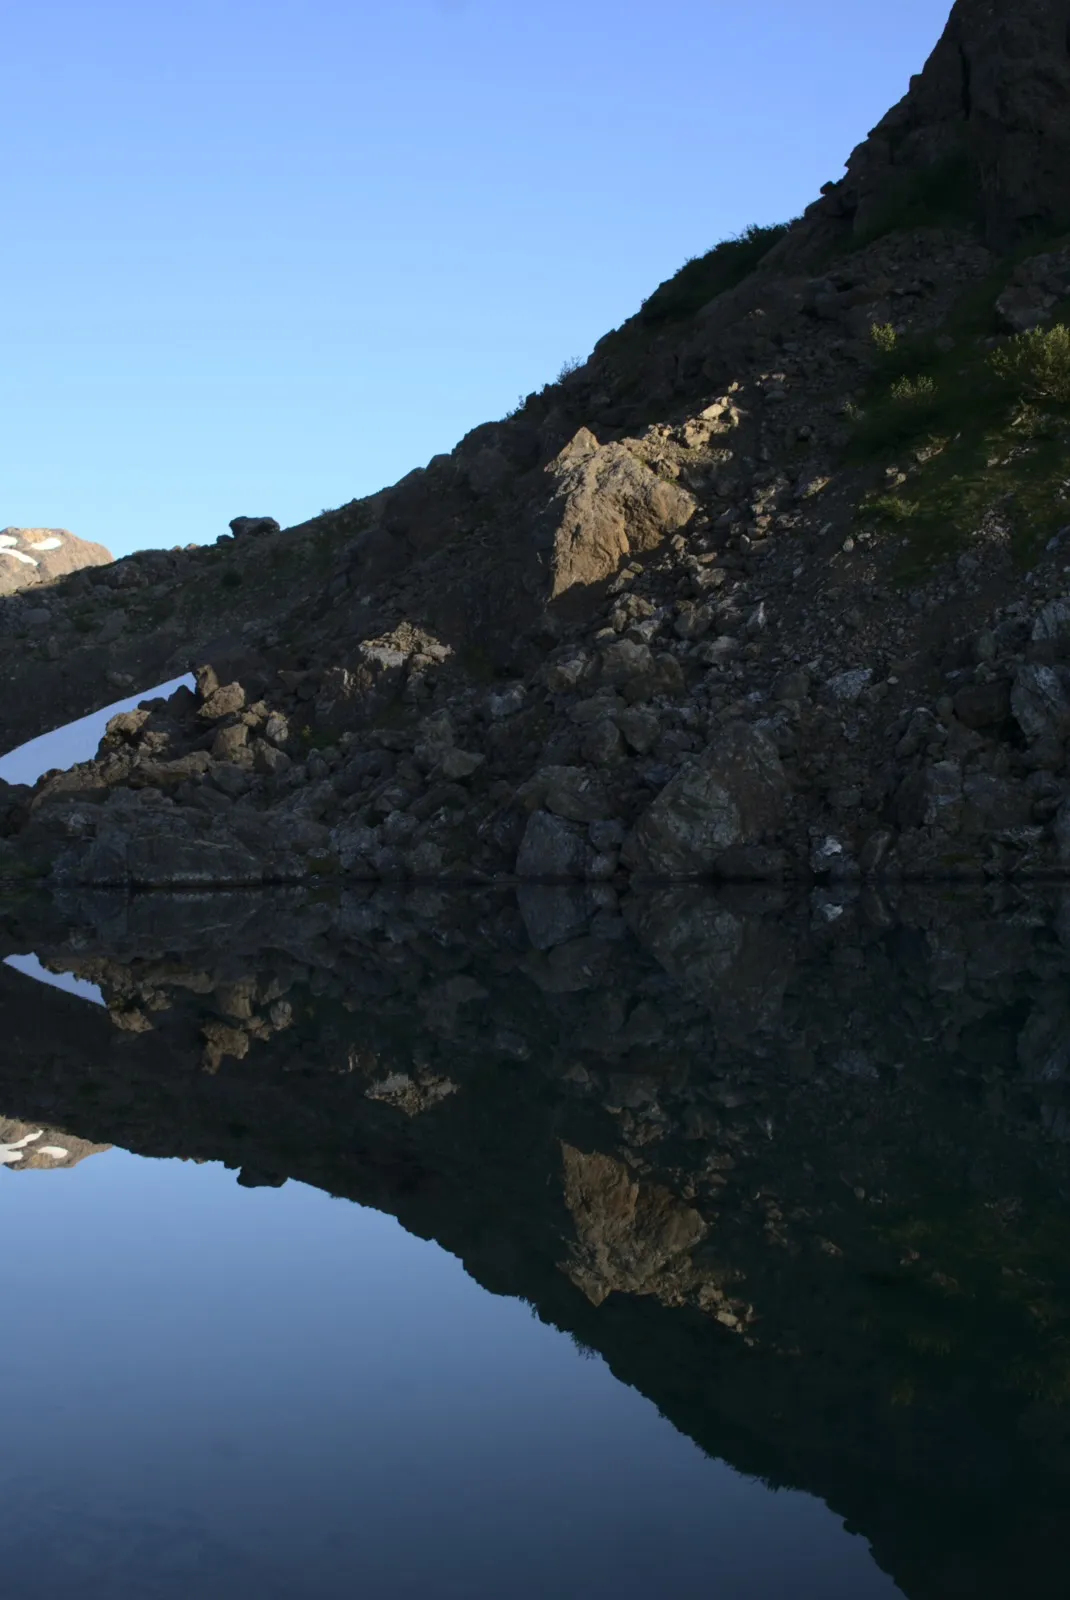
(30, 557)
(986, 118)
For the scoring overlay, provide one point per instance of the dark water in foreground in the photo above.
(688, 1246)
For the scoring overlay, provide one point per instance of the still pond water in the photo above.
(213, 1391)
(694, 1246)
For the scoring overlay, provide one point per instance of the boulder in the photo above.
(1052, 624)
(606, 504)
(1039, 702)
(983, 705)
(570, 792)
(552, 847)
(253, 527)
(732, 795)
(931, 798)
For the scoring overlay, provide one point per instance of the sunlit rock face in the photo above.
(32, 556)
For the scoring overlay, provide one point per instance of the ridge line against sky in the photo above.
(268, 257)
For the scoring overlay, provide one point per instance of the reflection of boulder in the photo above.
(721, 949)
(629, 1237)
(28, 1146)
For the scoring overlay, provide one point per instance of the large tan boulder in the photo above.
(606, 506)
(33, 556)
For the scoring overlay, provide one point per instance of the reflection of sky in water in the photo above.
(271, 1393)
(77, 741)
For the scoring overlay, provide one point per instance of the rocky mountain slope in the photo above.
(31, 557)
(774, 585)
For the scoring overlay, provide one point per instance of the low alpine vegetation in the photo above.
(1036, 365)
(704, 277)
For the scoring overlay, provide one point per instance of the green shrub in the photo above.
(890, 508)
(704, 277)
(914, 391)
(884, 337)
(1037, 364)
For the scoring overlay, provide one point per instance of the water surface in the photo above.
(398, 1244)
(219, 1391)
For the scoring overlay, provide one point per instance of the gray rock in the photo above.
(567, 672)
(553, 915)
(983, 705)
(792, 686)
(603, 744)
(1039, 702)
(506, 702)
(354, 844)
(570, 792)
(1061, 833)
(641, 728)
(1052, 624)
(931, 798)
(252, 527)
(552, 847)
(607, 835)
(993, 804)
(268, 760)
(458, 764)
(157, 858)
(846, 688)
(732, 795)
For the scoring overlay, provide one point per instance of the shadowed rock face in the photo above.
(798, 1170)
(991, 102)
(30, 557)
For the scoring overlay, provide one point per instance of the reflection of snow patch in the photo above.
(10, 1153)
(17, 555)
(47, 544)
(55, 1152)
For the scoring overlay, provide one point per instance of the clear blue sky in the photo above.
(263, 255)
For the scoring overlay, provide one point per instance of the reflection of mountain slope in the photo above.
(794, 1171)
(32, 1147)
